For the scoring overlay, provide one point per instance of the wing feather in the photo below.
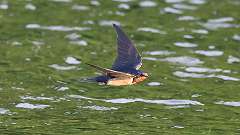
(127, 55)
(111, 73)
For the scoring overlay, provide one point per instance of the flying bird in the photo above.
(125, 69)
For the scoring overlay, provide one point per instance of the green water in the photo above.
(192, 89)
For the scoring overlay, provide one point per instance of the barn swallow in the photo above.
(125, 69)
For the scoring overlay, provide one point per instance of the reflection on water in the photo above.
(209, 53)
(152, 30)
(147, 3)
(99, 108)
(31, 106)
(197, 75)
(161, 52)
(236, 104)
(60, 67)
(4, 111)
(3, 6)
(185, 44)
(30, 6)
(170, 102)
(154, 83)
(56, 28)
(72, 61)
(231, 59)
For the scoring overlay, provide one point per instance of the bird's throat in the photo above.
(139, 79)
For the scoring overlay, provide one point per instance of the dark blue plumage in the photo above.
(128, 57)
(124, 70)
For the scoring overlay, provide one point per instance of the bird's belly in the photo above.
(120, 81)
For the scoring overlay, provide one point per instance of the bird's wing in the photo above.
(127, 55)
(112, 73)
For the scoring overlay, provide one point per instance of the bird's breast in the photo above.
(120, 81)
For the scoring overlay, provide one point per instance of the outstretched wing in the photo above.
(127, 55)
(111, 73)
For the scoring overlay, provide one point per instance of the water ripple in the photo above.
(209, 53)
(232, 103)
(171, 102)
(31, 106)
(4, 111)
(56, 28)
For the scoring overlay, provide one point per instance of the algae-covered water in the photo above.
(190, 49)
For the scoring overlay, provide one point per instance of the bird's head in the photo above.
(142, 74)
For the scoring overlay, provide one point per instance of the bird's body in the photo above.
(124, 70)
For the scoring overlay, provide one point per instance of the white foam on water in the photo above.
(165, 102)
(62, 1)
(16, 43)
(153, 83)
(236, 37)
(231, 59)
(88, 22)
(197, 75)
(162, 52)
(56, 28)
(95, 3)
(72, 36)
(186, 18)
(178, 126)
(214, 24)
(120, 13)
(197, 2)
(80, 7)
(196, 95)
(184, 7)
(122, 0)
(4, 111)
(17, 88)
(221, 20)
(230, 103)
(179, 106)
(211, 47)
(147, 3)
(62, 88)
(38, 43)
(185, 44)
(210, 53)
(152, 30)
(200, 31)
(170, 102)
(149, 58)
(99, 108)
(79, 42)
(205, 70)
(226, 78)
(123, 6)
(30, 6)
(188, 37)
(187, 75)
(108, 22)
(59, 67)
(174, 1)
(171, 10)
(31, 106)
(184, 60)
(72, 61)
(3, 6)
(36, 98)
